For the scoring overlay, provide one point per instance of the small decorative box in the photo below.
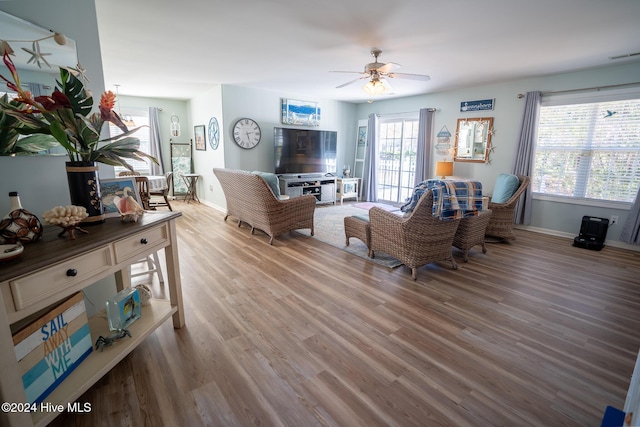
(123, 309)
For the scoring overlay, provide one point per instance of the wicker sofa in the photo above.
(251, 200)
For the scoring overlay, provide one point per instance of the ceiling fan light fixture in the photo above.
(374, 87)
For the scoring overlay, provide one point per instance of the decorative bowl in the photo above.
(9, 252)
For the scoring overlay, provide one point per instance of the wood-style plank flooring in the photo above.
(535, 332)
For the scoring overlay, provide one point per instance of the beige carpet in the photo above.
(329, 228)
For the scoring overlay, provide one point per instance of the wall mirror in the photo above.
(473, 140)
(38, 55)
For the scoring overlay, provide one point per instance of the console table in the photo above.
(52, 269)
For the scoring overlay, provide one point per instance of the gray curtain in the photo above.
(370, 165)
(155, 143)
(423, 155)
(631, 228)
(523, 162)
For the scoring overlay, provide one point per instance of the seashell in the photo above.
(129, 209)
(144, 293)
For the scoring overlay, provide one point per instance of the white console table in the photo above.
(53, 268)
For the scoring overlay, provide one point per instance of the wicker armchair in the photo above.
(501, 222)
(250, 200)
(417, 239)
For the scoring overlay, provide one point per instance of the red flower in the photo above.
(55, 101)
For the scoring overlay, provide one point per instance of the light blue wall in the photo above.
(169, 107)
(560, 218)
(265, 108)
(202, 108)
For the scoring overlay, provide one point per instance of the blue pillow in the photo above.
(506, 185)
(271, 179)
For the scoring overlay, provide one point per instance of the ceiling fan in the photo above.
(378, 74)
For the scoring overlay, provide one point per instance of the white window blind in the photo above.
(140, 117)
(588, 150)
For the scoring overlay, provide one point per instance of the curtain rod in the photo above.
(405, 113)
(521, 95)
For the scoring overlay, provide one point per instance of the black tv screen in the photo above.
(301, 151)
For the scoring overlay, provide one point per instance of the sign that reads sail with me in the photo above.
(50, 348)
(482, 105)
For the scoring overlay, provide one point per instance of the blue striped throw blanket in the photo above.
(452, 199)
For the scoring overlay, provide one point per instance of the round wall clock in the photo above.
(214, 133)
(246, 133)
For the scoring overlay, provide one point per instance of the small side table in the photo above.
(190, 180)
(347, 188)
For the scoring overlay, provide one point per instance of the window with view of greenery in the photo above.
(589, 150)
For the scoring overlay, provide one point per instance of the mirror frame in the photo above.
(480, 154)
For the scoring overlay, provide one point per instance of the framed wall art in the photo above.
(199, 135)
(122, 187)
(295, 112)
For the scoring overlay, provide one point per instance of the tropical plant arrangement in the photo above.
(64, 118)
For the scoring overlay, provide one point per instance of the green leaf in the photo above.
(73, 88)
(35, 143)
(59, 134)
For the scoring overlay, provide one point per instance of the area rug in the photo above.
(329, 228)
(369, 205)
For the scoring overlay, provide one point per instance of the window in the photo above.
(588, 147)
(398, 144)
(140, 117)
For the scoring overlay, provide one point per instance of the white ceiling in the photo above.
(177, 49)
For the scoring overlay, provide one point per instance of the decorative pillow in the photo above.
(271, 179)
(506, 185)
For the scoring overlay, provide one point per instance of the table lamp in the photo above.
(444, 169)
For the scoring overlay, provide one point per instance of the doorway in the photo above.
(398, 145)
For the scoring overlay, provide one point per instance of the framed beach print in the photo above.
(295, 112)
(123, 186)
(198, 132)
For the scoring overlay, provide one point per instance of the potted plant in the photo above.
(65, 117)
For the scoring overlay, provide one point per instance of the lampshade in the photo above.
(444, 169)
(374, 87)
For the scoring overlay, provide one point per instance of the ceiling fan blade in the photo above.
(347, 72)
(388, 85)
(351, 82)
(421, 77)
(388, 67)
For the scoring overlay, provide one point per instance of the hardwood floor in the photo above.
(535, 332)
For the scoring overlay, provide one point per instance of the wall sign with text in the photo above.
(482, 105)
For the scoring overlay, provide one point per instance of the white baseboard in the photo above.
(612, 243)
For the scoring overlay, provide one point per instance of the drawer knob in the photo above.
(72, 272)
(143, 241)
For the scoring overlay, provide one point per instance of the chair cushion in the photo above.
(506, 185)
(271, 179)
(364, 217)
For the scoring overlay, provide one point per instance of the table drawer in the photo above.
(35, 287)
(139, 243)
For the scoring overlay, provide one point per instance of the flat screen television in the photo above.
(304, 151)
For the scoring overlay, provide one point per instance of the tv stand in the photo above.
(318, 185)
